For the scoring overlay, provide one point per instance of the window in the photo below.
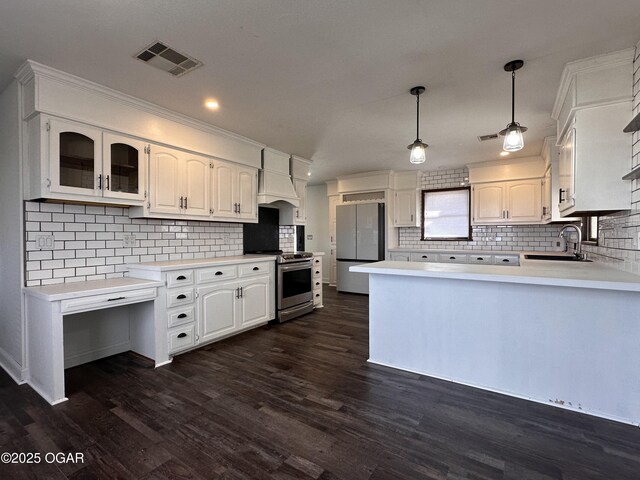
(446, 214)
(590, 230)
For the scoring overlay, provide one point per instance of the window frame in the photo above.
(423, 195)
(585, 226)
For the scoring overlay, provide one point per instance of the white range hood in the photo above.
(275, 188)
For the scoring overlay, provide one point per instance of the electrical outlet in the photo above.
(309, 237)
(45, 241)
(129, 240)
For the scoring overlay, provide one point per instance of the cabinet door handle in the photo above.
(255, 269)
(480, 259)
(507, 213)
(241, 292)
(100, 182)
(317, 294)
(239, 208)
(107, 183)
(218, 273)
(317, 283)
(412, 217)
(182, 335)
(182, 315)
(182, 296)
(181, 277)
(452, 258)
(505, 260)
(181, 202)
(116, 298)
(185, 203)
(561, 195)
(238, 292)
(424, 256)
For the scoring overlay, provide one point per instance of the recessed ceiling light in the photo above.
(308, 174)
(212, 104)
(504, 154)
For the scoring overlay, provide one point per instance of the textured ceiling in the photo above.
(329, 80)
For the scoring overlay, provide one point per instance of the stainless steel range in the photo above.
(295, 296)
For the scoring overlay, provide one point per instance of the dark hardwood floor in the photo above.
(299, 401)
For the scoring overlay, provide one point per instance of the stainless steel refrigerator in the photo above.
(359, 239)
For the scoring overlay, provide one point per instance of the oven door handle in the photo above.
(296, 266)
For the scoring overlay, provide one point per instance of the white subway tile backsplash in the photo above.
(89, 241)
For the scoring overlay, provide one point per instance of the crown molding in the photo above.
(29, 69)
(590, 64)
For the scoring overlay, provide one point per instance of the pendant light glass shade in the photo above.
(418, 152)
(513, 138)
(418, 149)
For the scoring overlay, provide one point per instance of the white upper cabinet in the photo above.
(593, 105)
(247, 191)
(197, 186)
(75, 158)
(235, 191)
(180, 183)
(507, 203)
(165, 180)
(406, 199)
(124, 162)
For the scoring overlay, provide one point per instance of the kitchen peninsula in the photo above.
(560, 333)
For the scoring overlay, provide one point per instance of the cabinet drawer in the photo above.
(316, 272)
(317, 297)
(452, 258)
(423, 257)
(250, 269)
(317, 261)
(96, 302)
(317, 284)
(214, 274)
(180, 316)
(180, 278)
(179, 296)
(181, 338)
(507, 260)
(474, 258)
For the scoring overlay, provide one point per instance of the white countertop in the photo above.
(534, 272)
(199, 262)
(63, 291)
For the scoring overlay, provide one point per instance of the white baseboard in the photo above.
(90, 356)
(13, 368)
(523, 397)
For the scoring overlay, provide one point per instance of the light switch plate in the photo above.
(45, 241)
(129, 240)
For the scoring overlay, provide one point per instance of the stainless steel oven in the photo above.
(295, 296)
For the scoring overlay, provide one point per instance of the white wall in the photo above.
(318, 225)
(11, 324)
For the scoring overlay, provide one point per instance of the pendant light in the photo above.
(418, 149)
(513, 140)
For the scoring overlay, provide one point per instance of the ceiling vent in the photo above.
(167, 59)
(491, 136)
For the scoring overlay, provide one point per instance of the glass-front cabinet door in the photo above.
(123, 167)
(75, 158)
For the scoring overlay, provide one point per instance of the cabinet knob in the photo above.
(182, 335)
(182, 296)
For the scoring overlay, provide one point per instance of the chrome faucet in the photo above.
(577, 245)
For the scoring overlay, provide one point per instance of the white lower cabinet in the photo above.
(456, 257)
(399, 257)
(213, 301)
(316, 280)
(225, 307)
(217, 310)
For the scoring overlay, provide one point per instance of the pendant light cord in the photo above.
(513, 96)
(418, 117)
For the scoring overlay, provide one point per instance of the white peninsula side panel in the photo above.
(571, 347)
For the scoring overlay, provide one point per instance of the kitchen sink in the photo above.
(561, 258)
